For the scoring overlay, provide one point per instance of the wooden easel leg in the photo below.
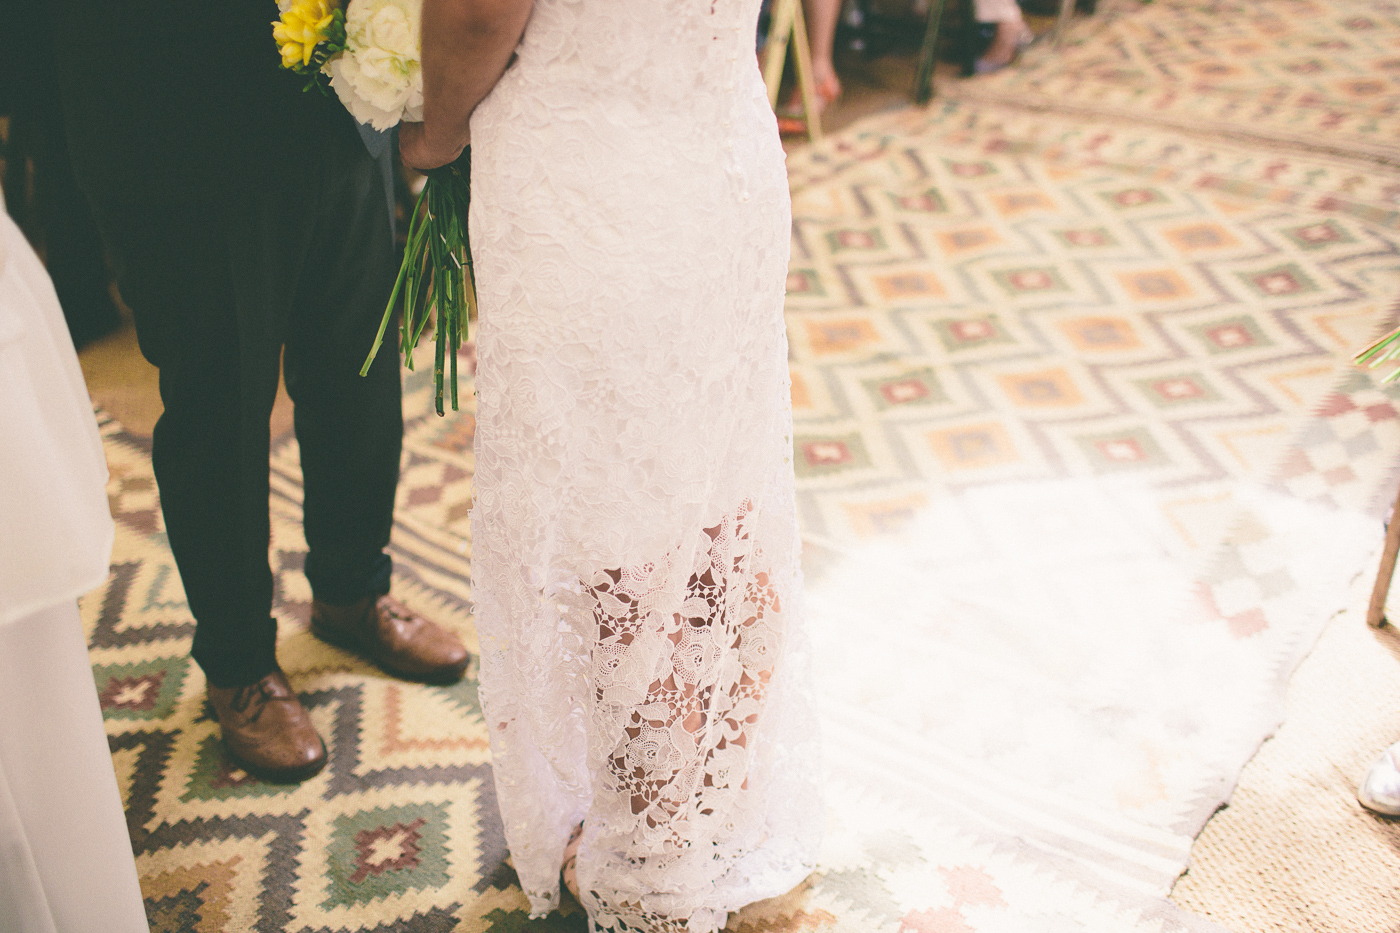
(788, 26)
(1375, 613)
(804, 74)
(775, 49)
(1062, 21)
(928, 55)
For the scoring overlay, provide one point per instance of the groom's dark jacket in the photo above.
(181, 97)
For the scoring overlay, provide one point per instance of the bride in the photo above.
(635, 549)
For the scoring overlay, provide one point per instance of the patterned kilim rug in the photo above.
(1082, 471)
(1319, 74)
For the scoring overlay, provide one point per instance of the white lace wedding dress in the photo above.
(635, 550)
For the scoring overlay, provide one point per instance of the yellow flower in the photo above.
(303, 27)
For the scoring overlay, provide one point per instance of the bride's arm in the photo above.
(466, 47)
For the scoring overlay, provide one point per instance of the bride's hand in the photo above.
(422, 152)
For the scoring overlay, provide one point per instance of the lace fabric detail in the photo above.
(635, 556)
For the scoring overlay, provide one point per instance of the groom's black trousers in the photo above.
(223, 287)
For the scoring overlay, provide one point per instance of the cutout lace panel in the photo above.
(681, 755)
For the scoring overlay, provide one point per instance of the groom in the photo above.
(249, 224)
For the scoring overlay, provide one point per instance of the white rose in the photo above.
(372, 86)
(390, 25)
(379, 77)
(392, 30)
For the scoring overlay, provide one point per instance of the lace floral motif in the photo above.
(634, 535)
(680, 681)
(686, 688)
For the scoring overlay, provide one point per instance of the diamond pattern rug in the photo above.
(1322, 75)
(1082, 465)
(1082, 471)
(401, 831)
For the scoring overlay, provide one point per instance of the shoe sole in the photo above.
(443, 678)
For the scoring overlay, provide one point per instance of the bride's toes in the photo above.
(570, 867)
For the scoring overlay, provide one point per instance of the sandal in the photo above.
(792, 119)
(980, 66)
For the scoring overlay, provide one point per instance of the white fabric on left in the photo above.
(21, 890)
(55, 527)
(65, 857)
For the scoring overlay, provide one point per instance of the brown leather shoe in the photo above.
(394, 637)
(266, 730)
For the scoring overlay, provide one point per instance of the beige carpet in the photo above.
(1019, 239)
(1294, 850)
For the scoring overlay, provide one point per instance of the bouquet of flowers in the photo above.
(367, 51)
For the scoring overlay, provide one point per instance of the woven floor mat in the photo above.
(1082, 472)
(1073, 415)
(1318, 75)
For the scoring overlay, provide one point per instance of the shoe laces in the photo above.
(395, 609)
(263, 692)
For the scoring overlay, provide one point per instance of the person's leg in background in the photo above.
(1011, 35)
(822, 16)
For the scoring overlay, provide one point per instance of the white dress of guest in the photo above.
(65, 857)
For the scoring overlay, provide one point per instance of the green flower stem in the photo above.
(436, 278)
(413, 231)
(1384, 350)
(440, 348)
